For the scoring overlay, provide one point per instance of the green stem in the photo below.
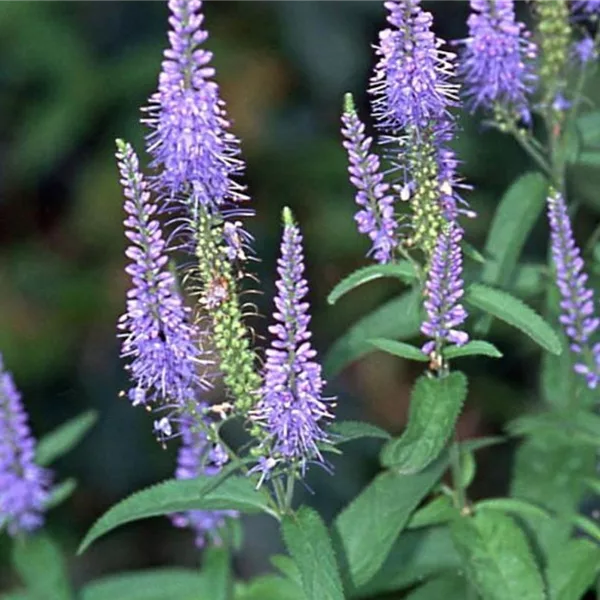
(289, 491)
(460, 496)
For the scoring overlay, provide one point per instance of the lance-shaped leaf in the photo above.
(399, 319)
(346, 431)
(400, 349)
(180, 495)
(375, 518)
(402, 270)
(308, 542)
(511, 310)
(497, 557)
(60, 493)
(472, 348)
(269, 587)
(63, 439)
(435, 404)
(448, 587)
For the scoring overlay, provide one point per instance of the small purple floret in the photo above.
(578, 316)
(158, 338)
(443, 291)
(23, 484)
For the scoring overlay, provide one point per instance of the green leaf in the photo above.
(216, 570)
(155, 584)
(521, 508)
(354, 430)
(472, 348)
(514, 312)
(497, 557)
(435, 404)
(375, 518)
(572, 569)
(60, 493)
(63, 439)
(402, 270)
(401, 349)
(41, 566)
(178, 495)
(448, 587)
(513, 221)
(308, 542)
(416, 556)
(439, 511)
(588, 125)
(269, 587)
(399, 319)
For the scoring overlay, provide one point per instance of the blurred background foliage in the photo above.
(72, 78)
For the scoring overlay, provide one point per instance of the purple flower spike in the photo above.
(585, 50)
(578, 315)
(157, 336)
(192, 149)
(292, 407)
(498, 61)
(590, 7)
(443, 290)
(411, 84)
(23, 484)
(376, 216)
(198, 456)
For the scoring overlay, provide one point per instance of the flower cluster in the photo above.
(23, 484)
(590, 7)
(158, 339)
(292, 407)
(193, 151)
(578, 313)
(376, 215)
(497, 63)
(443, 291)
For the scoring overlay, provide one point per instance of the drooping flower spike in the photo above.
(199, 457)
(376, 215)
(194, 153)
(24, 486)
(292, 410)
(158, 339)
(497, 64)
(578, 316)
(443, 290)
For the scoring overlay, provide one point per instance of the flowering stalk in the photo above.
(158, 339)
(497, 62)
(376, 215)
(199, 456)
(292, 409)
(578, 316)
(23, 484)
(443, 291)
(192, 148)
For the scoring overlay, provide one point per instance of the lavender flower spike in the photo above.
(498, 61)
(197, 456)
(23, 484)
(157, 336)
(376, 216)
(412, 81)
(590, 7)
(578, 319)
(443, 290)
(192, 148)
(292, 408)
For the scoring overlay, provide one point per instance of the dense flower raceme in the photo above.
(577, 300)
(158, 339)
(198, 456)
(497, 63)
(376, 215)
(292, 408)
(193, 151)
(412, 84)
(443, 291)
(23, 484)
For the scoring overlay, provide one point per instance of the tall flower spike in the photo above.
(198, 456)
(443, 291)
(497, 63)
(23, 484)
(411, 84)
(292, 408)
(578, 314)
(376, 215)
(192, 148)
(158, 339)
